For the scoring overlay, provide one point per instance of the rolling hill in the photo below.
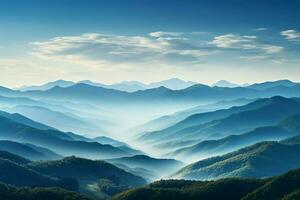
(28, 151)
(283, 187)
(24, 120)
(210, 148)
(272, 84)
(46, 193)
(237, 120)
(57, 141)
(13, 158)
(264, 159)
(19, 175)
(158, 167)
(193, 94)
(286, 128)
(102, 176)
(60, 120)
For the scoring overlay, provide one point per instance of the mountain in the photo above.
(60, 120)
(121, 145)
(18, 175)
(210, 148)
(173, 84)
(92, 177)
(24, 120)
(57, 141)
(169, 120)
(47, 86)
(222, 123)
(224, 83)
(158, 167)
(79, 91)
(127, 86)
(13, 101)
(283, 187)
(272, 84)
(264, 159)
(108, 140)
(233, 189)
(133, 86)
(202, 118)
(28, 151)
(36, 193)
(195, 93)
(103, 176)
(292, 140)
(13, 158)
(286, 128)
(7, 92)
(291, 123)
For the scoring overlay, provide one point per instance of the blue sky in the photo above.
(115, 40)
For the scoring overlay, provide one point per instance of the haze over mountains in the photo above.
(102, 140)
(128, 86)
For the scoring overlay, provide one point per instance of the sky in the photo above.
(148, 40)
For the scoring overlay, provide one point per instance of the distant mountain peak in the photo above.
(173, 84)
(225, 83)
(273, 84)
(49, 85)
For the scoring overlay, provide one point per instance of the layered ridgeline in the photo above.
(222, 123)
(284, 129)
(28, 151)
(62, 143)
(128, 86)
(14, 172)
(91, 177)
(264, 159)
(26, 193)
(195, 93)
(171, 119)
(80, 117)
(284, 187)
(95, 178)
(147, 167)
(87, 108)
(65, 121)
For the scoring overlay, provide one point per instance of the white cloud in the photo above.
(106, 49)
(261, 29)
(291, 35)
(254, 58)
(165, 34)
(235, 41)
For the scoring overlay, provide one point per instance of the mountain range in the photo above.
(128, 86)
(208, 148)
(284, 187)
(260, 160)
(157, 167)
(226, 122)
(57, 141)
(105, 140)
(195, 93)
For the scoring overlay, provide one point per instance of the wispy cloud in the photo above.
(117, 48)
(261, 29)
(108, 52)
(246, 42)
(291, 35)
(254, 58)
(165, 34)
